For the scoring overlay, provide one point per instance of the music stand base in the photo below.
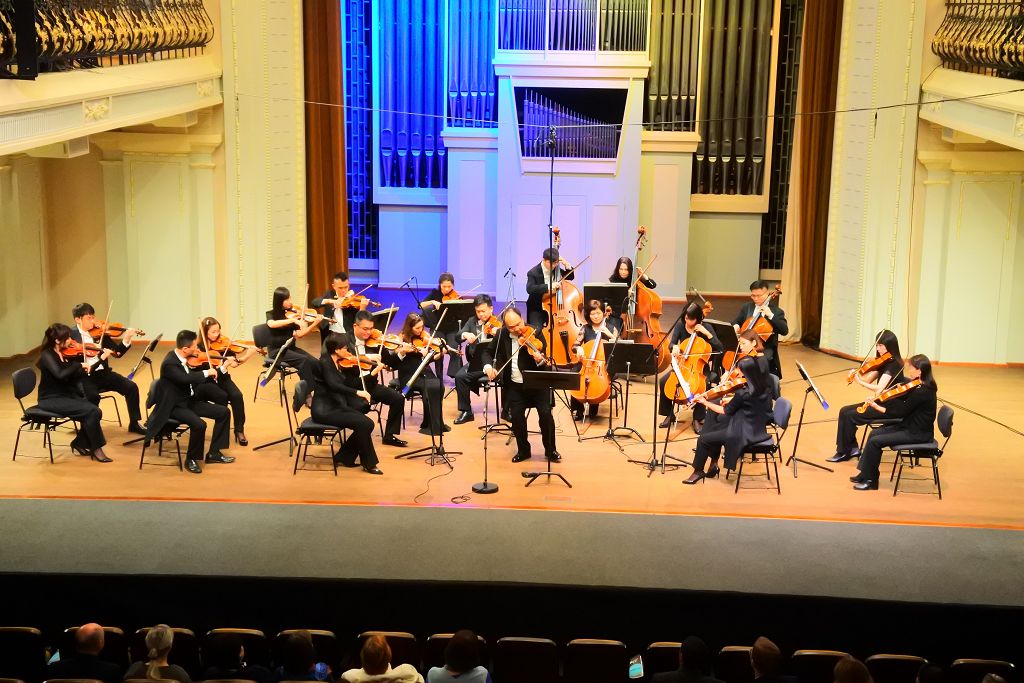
(432, 452)
(793, 459)
(485, 487)
(533, 476)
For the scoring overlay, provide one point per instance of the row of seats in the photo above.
(511, 659)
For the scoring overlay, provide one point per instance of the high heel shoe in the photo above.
(713, 472)
(78, 450)
(695, 477)
(240, 439)
(99, 456)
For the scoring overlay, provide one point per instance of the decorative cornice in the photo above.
(669, 143)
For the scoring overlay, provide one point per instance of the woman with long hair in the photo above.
(427, 383)
(61, 393)
(224, 391)
(624, 273)
(915, 410)
(282, 328)
(156, 668)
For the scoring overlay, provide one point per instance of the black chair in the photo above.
(184, 650)
(115, 645)
(771, 448)
(660, 657)
(325, 644)
(72, 680)
(595, 661)
(404, 648)
(310, 430)
(22, 653)
(525, 660)
(433, 650)
(257, 650)
(911, 453)
(113, 398)
(34, 417)
(172, 430)
(261, 337)
(894, 668)
(815, 666)
(732, 664)
(973, 670)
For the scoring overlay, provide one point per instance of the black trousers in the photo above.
(577, 407)
(99, 381)
(665, 406)
(430, 390)
(467, 382)
(453, 339)
(519, 398)
(389, 397)
(360, 443)
(881, 438)
(849, 420)
(299, 359)
(192, 414)
(90, 437)
(223, 392)
(710, 443)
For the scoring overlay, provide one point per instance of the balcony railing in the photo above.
(982, 36)
(573, 25)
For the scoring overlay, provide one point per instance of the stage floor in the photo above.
(982, 473)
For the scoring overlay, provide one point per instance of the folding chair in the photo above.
(172, 430)
(310, 430)
(23, 382)
(771, 448)
(911, 453)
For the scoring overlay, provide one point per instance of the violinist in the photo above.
(889, 373)
(517, 348)
(362, 331)
(337, 316)
(598, 327)
(915, 407)
(224, 391)
(692, 323)
(742, 421)
(427, 383)
(99, 375)
(340, 405)
(61, 393)
(475, 332)
(285, 322)
(177, 398)
(445, 291)
(544, 277)
(762, 304)
(624, 273)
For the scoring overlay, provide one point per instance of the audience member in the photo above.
(298, 660)
(850, 670)
(224, 657)
(86, 662)
(376, 660)
(931, 673)
(461, 661)
(993, 678)
(694, 665)
(767, 662)
(158, 641)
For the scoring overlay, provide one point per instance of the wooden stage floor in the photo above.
(982, 472)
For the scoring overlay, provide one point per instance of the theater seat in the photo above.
(973, 670)
(325, 643)
(525, 660)
(595, 661)
(815, 666)
(433, 651)
(115, 645)
(257, 651)
(661, 657)
(184, 650)
(732, 664)
(894, 668)
(22, 653)
(404, 648)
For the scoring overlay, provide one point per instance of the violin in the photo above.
(451, 296)
(725, 388)
(75, 349)
(222, 345)
(307, 314)
(392, 342)
(526, 340)
(356, 301)
(867, 366)
(113, 330)
(897, 390)
(200, 358)
(491, 326)
(436, 344)
(350, 360)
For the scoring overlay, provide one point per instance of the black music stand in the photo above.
(811, 389)
(382, 317)
(608, 293)
(150, 348)
(726, 334)
(283, 398)
(553, 380)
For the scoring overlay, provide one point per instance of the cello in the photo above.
(565, 313)
(648, 310)
(756, 322)
(688, 370)
(595, 385)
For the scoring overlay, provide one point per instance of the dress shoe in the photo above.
(136, 428)
(713, 472)
(240, 439)
(393, 440)
(857, 478)
(446, 428)
(698, 425)
(554, 457)
(694, 478)
(99, 456)
(506, 415)
(78, 450)
(519, 457)
(667, 422)
(372, 470)
(464, 417)
(866, 485)
(577, 415)
(193, 467)
(218, 457)
(840, 457)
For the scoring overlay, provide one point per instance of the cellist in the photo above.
(692, 323)
(544, 277)
(597, 327)
(624, 273)
(762, 304)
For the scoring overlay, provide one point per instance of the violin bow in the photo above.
(206, 345)
(427, 357)
(106, 323)
(572, 270)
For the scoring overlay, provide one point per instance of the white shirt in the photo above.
(361, 350)
(516, 375)
(184, 364)
(91, 361)
(339, 321)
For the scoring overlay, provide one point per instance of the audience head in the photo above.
(765, 658)
(993, 678)
(850, 670)
(931, 673)
(462, 653)
(158, 643)
(375, 655)
(89, 639)
(298, 656)
(694, 655)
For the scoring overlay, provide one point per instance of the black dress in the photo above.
(427, 384)
(746, 423)
(850, 419)
(60, 392)
(293, 356)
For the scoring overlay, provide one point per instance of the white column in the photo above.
(926, 322)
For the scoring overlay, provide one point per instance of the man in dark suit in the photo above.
(467, 379)
(694, 665)
(101, 377)
(362, 330)
(763, 306)
(767, 662)
(512, 359)
(337, 318)
(544, 277)
(177, 400)
(85, 663)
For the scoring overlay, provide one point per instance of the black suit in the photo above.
(177, 399)
(348, 315)
(102, 378)
(536, 288)
(60, 392)
(779, 327)
(335, 403)
(518, 398)
(469, 376)
(379, 393)
(85, 667)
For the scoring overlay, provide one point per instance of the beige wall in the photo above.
(724, 253)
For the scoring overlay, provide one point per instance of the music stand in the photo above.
(552, 380)
(382, 317)
(811, 389)
(283, 398)
(608, 293)
(150, 348)
(726, 334)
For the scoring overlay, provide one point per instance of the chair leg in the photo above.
(767, 472)
(256, 388)
(778, 482)
(142, 457)
(896, 488)
(298, 452)
(334, 462)
(17, 438)
(894, 462)
(935, 475)
(739, 475)
(49, 443)
(177, 446)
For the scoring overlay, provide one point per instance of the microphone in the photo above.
(406, 283)
(507, 271)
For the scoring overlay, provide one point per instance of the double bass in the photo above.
(643, 324)
(564, 307)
